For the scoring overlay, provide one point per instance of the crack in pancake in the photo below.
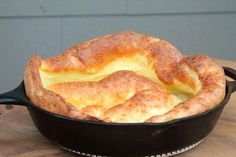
(136, 63)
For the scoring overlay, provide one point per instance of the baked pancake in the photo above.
(125, 78)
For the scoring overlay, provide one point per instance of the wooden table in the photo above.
(19, 137)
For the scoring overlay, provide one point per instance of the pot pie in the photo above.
(124, 78)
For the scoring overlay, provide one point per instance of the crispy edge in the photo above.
(37, 93)
(44, 98)
(91, 55)
(213, 91)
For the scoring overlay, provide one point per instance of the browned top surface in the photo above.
(91, 55)
(161, 58)
(19, 137)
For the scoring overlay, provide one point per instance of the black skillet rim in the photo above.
(174, 121)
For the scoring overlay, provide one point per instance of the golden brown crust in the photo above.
(93, 55)
(118, 97)
(47, 100)
(147, 97)
(44, 98)
(212, 93)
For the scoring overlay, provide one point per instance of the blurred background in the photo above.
(48, 27)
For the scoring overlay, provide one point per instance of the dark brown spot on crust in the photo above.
(9, 107)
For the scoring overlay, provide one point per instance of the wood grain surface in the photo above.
(19, 137)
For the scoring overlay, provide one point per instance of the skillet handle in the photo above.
(14, 97)
(232, 74)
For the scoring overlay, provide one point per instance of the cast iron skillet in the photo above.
(91, 138)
